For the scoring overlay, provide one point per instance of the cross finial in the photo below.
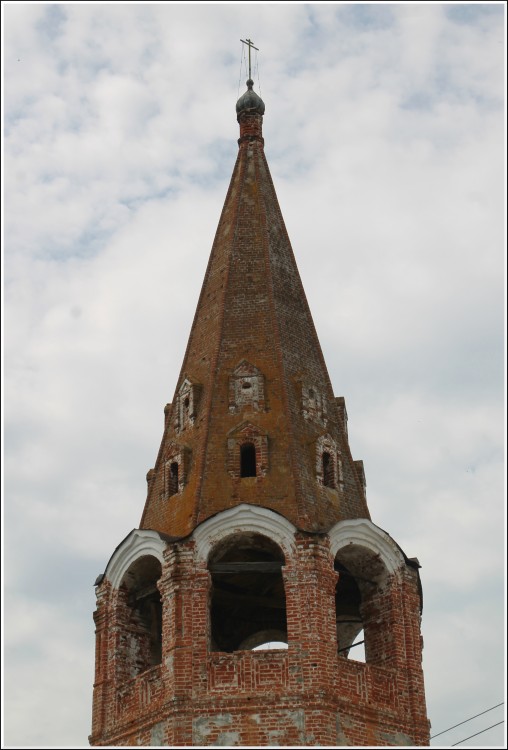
(250, 45)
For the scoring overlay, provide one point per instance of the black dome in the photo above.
(250, 101)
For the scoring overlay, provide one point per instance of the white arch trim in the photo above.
(362, 532)
(244, 518)
(139, 543)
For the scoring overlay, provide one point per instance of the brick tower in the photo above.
(255, 530)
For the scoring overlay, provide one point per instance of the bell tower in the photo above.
(256, 530)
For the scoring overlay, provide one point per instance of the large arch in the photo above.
(250, 519)
(367, 561)
(139, 543)
(361, 532)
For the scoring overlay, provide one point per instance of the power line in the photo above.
(477, 733)
(466, 720)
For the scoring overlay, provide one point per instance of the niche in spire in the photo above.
(176, 465)
(186, 405)
(246, 388)
(328, 463)
(313, 403)
(247, 452)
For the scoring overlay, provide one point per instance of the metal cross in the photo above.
(249, 44)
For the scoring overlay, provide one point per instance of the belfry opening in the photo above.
(248, 603)
(140, 604)
(255, 528)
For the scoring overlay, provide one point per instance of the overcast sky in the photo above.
(384, 132)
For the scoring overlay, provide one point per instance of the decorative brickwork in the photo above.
(341, 407)
(176, 467)
(240, 440)
(329, 463)
(313, 405)
(256, 529)
(246, 389)
(186, 405)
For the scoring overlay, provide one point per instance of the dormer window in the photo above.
(328, 470)
(328, 463)
(176, 469)
(247, 452)
(313, 404)
(248, 460)
(187, 402)
(173, 478)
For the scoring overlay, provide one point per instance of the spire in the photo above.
(254, 418)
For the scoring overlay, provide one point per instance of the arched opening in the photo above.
(348, 599)
(358, 618)
(173, 478)
(328, 470)
(248, 602)
(143, 616)
(248, 460)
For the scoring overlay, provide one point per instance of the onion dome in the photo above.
(250, 101)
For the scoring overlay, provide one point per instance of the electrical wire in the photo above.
(242, 57)
(477, 733)
(256, 72)
(466, 720)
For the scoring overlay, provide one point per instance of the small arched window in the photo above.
(328, 470)
(247, 460)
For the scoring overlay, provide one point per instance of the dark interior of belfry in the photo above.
(248, 603)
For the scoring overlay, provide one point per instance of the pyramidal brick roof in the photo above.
(254, 395)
